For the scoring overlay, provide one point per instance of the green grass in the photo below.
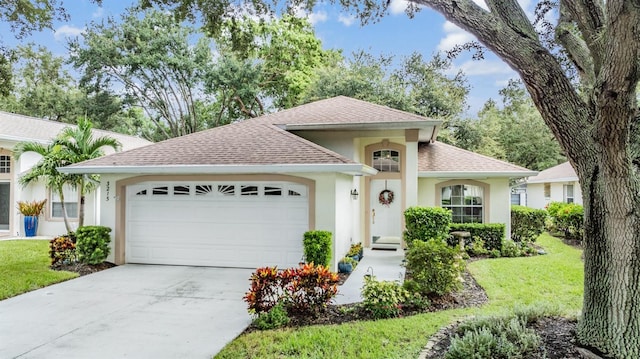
(24, 266)
(553, 280)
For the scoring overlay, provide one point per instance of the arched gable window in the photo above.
(386, 160)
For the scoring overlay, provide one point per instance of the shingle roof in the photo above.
(24, 128)
(340, 110)
(243, 143)
(438, 157)
(563, 172)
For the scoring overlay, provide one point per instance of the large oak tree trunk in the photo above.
(610, 320)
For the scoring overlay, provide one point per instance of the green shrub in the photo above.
(383, 299)
(477, 247)
(434, 267)
(491, 233)
(493, 338)
(425, 223)
(510, 249)
(527, 224)
(317, 247)
(92, 244)
(276, 317)
(568, 218)
(495, 253)
(62, 250)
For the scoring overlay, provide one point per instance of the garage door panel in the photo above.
(216, 230)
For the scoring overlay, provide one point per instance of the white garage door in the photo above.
(226, 224)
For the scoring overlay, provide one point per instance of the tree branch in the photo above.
(510, 12)
(576, 47)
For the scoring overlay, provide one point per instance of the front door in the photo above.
(5, 205)
(385, 218)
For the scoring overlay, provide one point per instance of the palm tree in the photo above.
(53, 156)
(79, 145)
(71, 145)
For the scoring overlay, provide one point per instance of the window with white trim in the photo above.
(466, 202)
(71, 202)
(5, 164)
(568, 193)
(386, 160)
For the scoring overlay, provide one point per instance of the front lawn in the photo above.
(24, 266)
(554, 279)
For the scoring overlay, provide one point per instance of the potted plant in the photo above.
(31, 211)
(345, 266)
(356, 251)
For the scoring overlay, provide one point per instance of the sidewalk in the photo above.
(382, 264)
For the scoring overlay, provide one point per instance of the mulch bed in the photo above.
(81, 268)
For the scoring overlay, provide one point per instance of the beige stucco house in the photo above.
(555, 184)
(242, 195)
(17, 128)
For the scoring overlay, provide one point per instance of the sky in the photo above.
(395, 34)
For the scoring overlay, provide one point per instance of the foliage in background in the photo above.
(433, 267)
(317, 247)
(527, 223)
(567, 218)
(415, 85)
(514, 132)
(426, 223)
(92, 244)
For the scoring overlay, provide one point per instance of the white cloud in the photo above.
(314, 17)
(347, 20)
(318, 17)
(65, 31)
(484, 68)
(453, 36)
(398, 6)
(98, 13)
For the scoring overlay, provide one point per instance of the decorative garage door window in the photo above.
(185, 190)
(466, 202)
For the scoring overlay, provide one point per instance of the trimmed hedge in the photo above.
(317, 247)
(527, 224)
(425, 223)
(491, 233)
(433, 268)
(568, 218)
(92, 245)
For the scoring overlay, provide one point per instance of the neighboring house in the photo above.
(17, 128)
(242, 195)
(555, 184)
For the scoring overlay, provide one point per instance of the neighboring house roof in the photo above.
(563, 172)
(20, 128)
(244, 147)
(441, 160)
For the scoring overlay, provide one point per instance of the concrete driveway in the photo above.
(131, 311)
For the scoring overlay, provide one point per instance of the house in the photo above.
(242, 195)
(555, 184)
(17, 128)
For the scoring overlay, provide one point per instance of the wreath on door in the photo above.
(386, 197)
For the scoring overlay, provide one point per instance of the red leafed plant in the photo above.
(303, 290)
(61, 250)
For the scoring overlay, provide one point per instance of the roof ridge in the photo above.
(477, 154)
